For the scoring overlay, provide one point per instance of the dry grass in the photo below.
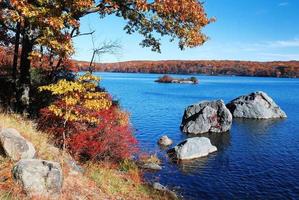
(150, 159)
(8, 188)
(120, 184)
(76, 186)
(28, 131)
(101, 181)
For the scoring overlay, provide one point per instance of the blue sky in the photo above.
(257, 30)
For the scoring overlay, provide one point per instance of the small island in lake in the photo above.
(169, 79)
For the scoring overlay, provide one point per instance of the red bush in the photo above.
(111, 138)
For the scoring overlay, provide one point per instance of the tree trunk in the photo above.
(16, 54)
(90, 68)
(23, 96)
(27, 46)
(13, 99)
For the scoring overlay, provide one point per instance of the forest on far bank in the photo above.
(288, 69)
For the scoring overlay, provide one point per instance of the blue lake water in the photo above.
(256, 160)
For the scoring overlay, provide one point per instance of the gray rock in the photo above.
(257, 105)
(39, 177)
(205, 117)
(192, 148)
(165, 141)
(160, 187)
(182, 82)
(16, 146)
(75, 168)
(151, 166)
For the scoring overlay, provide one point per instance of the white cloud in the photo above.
(276, 44)
(269, 50)
(285, 43)
(280, 56)
(283, 4)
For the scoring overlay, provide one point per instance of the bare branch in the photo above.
(107, 47)
(82, 34)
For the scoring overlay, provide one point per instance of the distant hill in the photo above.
(209, 67)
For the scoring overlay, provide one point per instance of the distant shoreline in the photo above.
(279, 69)
(225, 75)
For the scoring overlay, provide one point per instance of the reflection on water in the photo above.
(263, 126)
(195, 165)
(257, 159)
(220, 140)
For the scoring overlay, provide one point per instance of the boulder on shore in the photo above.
(257, 105)
(165, 141)
(205, 117)
(192, 148)
(162, 188)
(15, 146)
(151, 166)
(39, 177)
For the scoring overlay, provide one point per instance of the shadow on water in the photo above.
(220, 140)
(258, 159)
(193, 166)
(258, 126)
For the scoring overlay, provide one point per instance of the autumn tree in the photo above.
(36, 27)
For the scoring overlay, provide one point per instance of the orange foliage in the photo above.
(53, 24)
(210, 67)
(5, 61)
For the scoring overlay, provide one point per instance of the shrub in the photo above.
(84, 120)
(111, 138)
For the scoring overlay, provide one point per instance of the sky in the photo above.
(255, 30)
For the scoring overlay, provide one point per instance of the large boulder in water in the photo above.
(192, 148)
(39, 177)
(257, 105)
(205, 117)
(15, 146)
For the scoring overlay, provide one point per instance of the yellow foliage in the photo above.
(63, 87)
(79, 93)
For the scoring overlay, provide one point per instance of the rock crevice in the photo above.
(205, 117)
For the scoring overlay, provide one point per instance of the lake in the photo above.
(258, 159)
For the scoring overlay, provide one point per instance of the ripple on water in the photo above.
(258, 159)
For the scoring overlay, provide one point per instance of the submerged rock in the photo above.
(151, 166)
(39, 177)
(165, 141)
(15, 146)
(192, 148)
(257, 105)
(206, 116)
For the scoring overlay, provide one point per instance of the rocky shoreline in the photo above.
(41, 177)
(37, 170)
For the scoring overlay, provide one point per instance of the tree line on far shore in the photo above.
(288, 69)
